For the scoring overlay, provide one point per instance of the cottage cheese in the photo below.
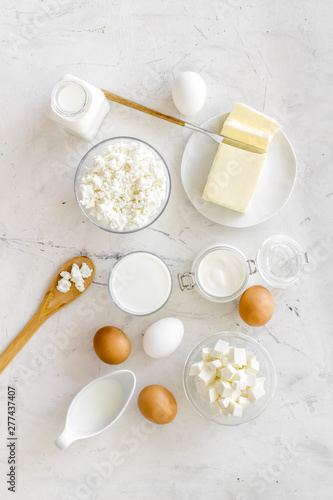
(63, 285)
(125, 187)
(76, 276)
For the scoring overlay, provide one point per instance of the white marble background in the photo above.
(275, 56)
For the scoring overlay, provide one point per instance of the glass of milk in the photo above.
(140, 283)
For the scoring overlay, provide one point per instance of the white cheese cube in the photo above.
(218, 372)
(251, 379)
(200, 385)
(210, 393)
(214, 364)
(224, 389)
(207, 375)
(244, 402)
(235, 409)
(237, 356)
(228, 372)
(239, 385)
(239, 375)
(221, 347)
(253, 365)
(261, 380)
(225, 411)
(256, 392)
(224, 360)
(235, 395)
(224, 402)
(249, 355)
(196, 368)
(205, 354)
(215, 408)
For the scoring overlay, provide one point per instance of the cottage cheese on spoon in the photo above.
(77, 276)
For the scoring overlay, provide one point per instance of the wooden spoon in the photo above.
(52, 302)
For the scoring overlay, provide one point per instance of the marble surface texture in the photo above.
(275, 56)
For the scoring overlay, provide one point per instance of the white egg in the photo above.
(163, 337)
(189, 93)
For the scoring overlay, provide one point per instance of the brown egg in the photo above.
(256, 306)
(157, 404)
(112, 345)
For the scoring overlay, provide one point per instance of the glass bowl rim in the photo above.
(241, 336)
(76, 187)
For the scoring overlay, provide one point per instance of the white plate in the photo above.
(275, 185)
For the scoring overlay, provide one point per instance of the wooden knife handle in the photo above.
(139, 107)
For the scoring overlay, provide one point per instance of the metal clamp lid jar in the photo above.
(221, 273)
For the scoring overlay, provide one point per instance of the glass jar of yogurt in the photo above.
(221, 272)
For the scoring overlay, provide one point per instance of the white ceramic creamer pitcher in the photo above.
(97, 406)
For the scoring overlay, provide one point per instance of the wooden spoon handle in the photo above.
(134, 105)
(48, 307)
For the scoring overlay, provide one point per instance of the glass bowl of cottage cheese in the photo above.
(122, 185)
(229, 378)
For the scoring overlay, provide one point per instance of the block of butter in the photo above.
(233, 177)
(249, 126)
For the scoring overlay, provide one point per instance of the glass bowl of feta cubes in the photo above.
(122, 185)
(229, 378)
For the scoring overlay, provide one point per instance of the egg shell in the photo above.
(112, 345)
(163, 337)
(256, 306)
(157, 404)
(189, 93)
